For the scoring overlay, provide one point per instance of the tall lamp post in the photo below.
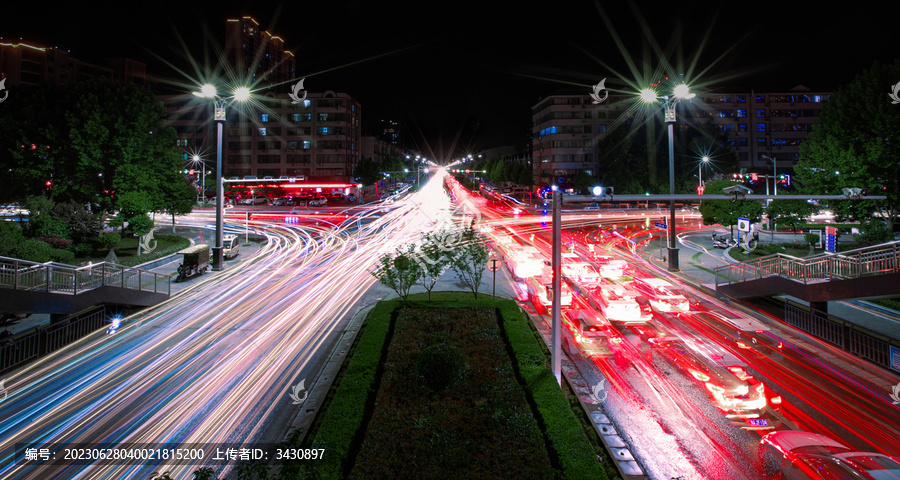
(774, 175)
(240, 94)
(705, 159)
(197, 159)
(680, 92)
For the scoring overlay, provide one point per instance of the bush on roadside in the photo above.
(34, 251)
(62, 255)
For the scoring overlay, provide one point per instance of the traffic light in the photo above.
(754, 178)
(700, 189)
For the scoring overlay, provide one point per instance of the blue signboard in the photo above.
(662, 225)
(895, 358)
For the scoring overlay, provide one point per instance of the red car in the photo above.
(796, 455)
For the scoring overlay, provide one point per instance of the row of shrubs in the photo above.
(562, 429)
(339, 430)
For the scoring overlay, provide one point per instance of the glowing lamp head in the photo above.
(648, 95)
(196, 158)
(705, 158)
(242, 94)
(683, 91)
(207, 91)
(597, 191)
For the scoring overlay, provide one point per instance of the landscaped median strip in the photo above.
(342, 427)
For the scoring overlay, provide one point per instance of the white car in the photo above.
(619, 304)
(663, 296)
(318, 202)
(613, 269)
(582, 273)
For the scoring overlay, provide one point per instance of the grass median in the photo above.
(451, 388)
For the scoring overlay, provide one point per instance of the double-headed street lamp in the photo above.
(680, 92)
(240, 94)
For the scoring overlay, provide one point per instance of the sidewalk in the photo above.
(698, 260)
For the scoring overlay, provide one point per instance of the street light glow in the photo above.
(648, 95)
(242, 94)
(683, 91)
(206, 91)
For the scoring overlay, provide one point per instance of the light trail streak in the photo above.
(212, 364)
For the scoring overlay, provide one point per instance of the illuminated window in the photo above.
(323, 117)
(263, 117)
(741, 113)
(760, 114)
(323, 131)
(760, 127)
(262, 132)
(306, 144)
(742, 127)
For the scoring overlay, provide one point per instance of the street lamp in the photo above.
(680, 92)
(196, 159)
(240, 94)
(774, 175)
(700, 168)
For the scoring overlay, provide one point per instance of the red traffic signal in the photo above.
(700, 189)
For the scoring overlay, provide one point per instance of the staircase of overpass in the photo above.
(30, 287)
(865, 272)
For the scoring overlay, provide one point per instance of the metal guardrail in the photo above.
(40, 341)
(874, 260)
(65, 279)
(843, 334)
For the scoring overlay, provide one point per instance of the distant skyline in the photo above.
(463, 77)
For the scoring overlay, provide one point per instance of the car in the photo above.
(662, 295)
(268, 177)
(799, 455)
(582, 273)
(283, 202)
(585, 330)
(262, 200)
(593, 206)
(541, 289)
(619, 304)
(231, 246)
(250, 177)
(318, 202)
(613, 269)
(732, 389)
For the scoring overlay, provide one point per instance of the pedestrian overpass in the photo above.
(865, 272)
(30, 287)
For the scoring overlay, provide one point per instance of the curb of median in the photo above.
(304, 417)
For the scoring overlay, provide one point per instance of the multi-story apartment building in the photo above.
(25, 64)
(759, 125)
(319, 138)
(378, 150)
(256, 55)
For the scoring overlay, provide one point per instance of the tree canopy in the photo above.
(856, 144)
(87, 142)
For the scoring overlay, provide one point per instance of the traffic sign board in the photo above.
(662, 226)
(744, 224)
(493, 263)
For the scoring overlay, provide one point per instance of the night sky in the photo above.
(463, 76)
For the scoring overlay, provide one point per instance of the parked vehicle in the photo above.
(261, 200)
(318, 202)
(196, 261)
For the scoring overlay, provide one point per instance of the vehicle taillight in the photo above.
(715, 389)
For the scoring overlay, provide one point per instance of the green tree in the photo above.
(792, 212)
(470, 259)
(81, 223)
(178, 198)
(399, 272)
(367, 171)
(727, 212)
(856, 144)
(94, 140)
(433, 259)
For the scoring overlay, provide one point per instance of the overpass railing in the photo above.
(875, 260)
(64, 279)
